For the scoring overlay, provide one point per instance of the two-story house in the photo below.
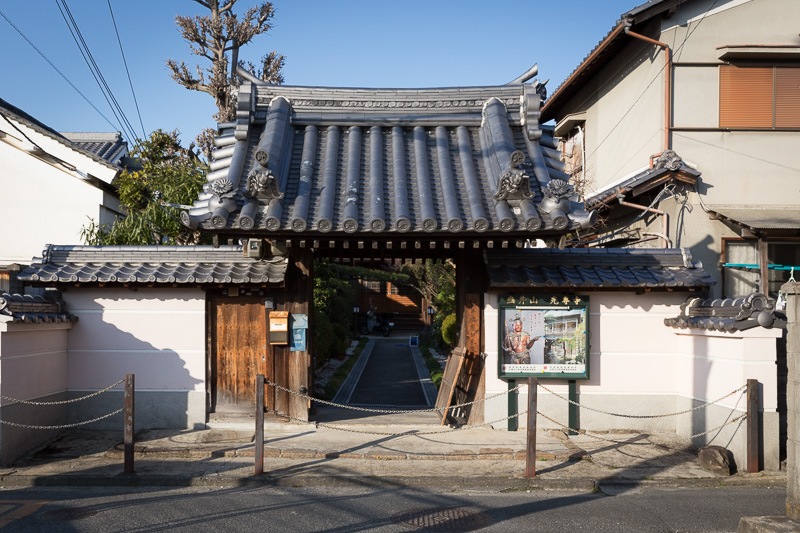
(682, 128)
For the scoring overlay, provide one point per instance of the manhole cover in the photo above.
(442, 519)
(69, 513)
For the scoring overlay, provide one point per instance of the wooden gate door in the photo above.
(241, 351)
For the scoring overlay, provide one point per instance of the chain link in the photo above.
(76, 424)
(644, 416)
(62, 402)
(386, 411)
(404, 434)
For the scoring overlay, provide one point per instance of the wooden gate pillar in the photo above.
(471, 284)
(299, 298)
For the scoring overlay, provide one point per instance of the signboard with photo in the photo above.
(544, 337)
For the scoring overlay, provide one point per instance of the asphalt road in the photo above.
(338, 509)
(389, 377)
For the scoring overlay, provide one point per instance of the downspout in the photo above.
(667, 80)
(664, 218)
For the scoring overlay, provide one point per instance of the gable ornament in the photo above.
(514, 183)
(261, 182)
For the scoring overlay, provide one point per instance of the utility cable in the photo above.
(125, 62)
(94, 68)
(56, 69)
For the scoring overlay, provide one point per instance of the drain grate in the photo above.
(442, 519)
(68, 513)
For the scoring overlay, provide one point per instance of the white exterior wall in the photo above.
(33, 367)
(158, 334)
(68, 204)
(639, 366)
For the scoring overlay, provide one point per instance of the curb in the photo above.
(502, 484)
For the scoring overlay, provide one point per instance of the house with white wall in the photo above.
(682, 127)
(71, 175)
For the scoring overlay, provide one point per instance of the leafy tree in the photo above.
(162, 169)
(216, 35)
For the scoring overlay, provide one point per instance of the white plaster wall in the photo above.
(156, 334)
(33, 367)
(33, 359)
(63, 205)
(639, 366)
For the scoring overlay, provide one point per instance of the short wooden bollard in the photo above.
(127, 437)
(530, 451)
(753, 422)
(259, 451)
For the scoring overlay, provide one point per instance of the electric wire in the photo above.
(56, 69)
(94, 68)
(125, 62)
(676, 51)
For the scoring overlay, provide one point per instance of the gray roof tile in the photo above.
(387, 161)
(190, 265)
(594, 268)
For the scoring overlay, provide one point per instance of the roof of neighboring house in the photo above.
(595, 268)
(302, 161)
(668, 166)
(605, 50)
(160, 265)
(33, 309)
(781, 217)
(9, 111)
(107, 146)
(728, 315)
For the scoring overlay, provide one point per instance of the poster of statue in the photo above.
(546, 340)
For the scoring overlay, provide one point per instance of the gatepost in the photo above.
(792, 292)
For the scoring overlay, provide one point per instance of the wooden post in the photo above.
(127, 437)
(530, 451)
(752, 426)
(259, 438)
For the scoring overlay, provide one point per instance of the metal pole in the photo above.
(512, 406)
(128, 424)
(530, 451)
(259, 451)
(573, 409)
(752, 426)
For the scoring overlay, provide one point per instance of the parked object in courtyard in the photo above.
(375, 323)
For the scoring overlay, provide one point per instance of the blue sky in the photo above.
(346, 43)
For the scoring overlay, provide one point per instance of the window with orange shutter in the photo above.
(759, 97)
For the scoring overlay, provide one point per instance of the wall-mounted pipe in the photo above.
(664, 218)
(667, 81)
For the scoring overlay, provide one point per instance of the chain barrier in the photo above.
(643, 416)
(386, 411)
(596, 436)
(62, 402)
(404, 434)
(64, 426)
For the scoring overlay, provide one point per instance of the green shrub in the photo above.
(449, 330)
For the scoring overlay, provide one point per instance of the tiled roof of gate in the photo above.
(594, 268)
(33, 309)
(183, 265)
(384, 161)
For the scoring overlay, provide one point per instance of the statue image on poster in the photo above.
(522, 343)
(544, 340)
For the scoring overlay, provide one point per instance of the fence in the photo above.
(127, 409)
(751, 416)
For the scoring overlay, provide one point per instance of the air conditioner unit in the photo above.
(255, 248)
